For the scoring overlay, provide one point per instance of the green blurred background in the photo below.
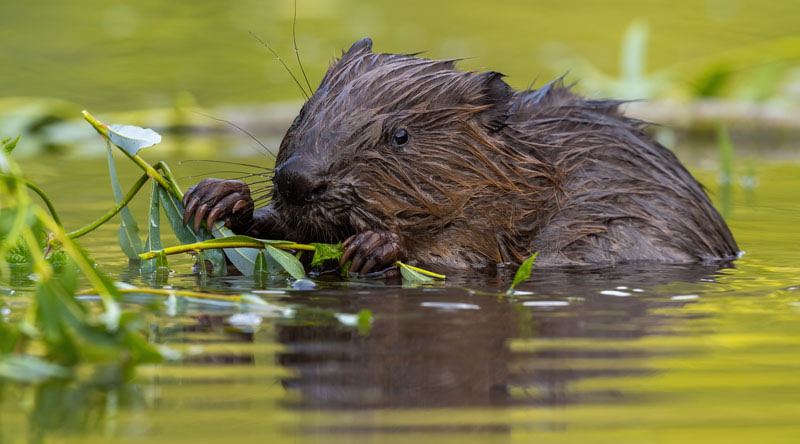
(112, 55)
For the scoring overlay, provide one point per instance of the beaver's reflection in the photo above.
(452, 348)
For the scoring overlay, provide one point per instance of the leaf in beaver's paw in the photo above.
(132, 138)
(324, 252)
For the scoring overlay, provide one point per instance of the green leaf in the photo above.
(244, 259)
(412, 275)
(107, 290)
(129, 239)
(260, 267)
(240, 238)
(18, 254)
(9, 145)
(523, 272)
(162, 265)
(288, 262)
(324, 252)
(132, 138)
(154, 232)
(417, 275)
(173, 209)
(201, 264)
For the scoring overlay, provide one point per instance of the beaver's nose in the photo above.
(297, 183)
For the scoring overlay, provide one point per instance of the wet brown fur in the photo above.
(490, 174)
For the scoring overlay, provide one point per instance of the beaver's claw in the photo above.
(372, 251)
(213, 199)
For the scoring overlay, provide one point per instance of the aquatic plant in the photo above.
(57, 331)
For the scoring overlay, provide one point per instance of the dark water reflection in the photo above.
(451, 347)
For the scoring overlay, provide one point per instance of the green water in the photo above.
(689, 354)
(139, 54)
(641, 355)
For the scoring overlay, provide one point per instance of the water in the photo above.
(625, 354)
(147, 53)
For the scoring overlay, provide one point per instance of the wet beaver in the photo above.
(406, 157)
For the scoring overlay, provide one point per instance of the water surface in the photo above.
(704, 353)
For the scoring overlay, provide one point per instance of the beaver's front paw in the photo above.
(213, 199)
(372, 251)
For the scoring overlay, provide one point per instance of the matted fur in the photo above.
(490, 174)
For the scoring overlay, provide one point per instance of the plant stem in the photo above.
(176, 191)
(108, 293)
(102, 128)
(200, 246)
(152, 173)
(168, 292)
(112, 212)
(44, 197)
(420, 270)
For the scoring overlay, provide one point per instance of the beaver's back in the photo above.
(621, 196)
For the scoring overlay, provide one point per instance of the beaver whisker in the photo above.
(242, 130)
(259, 182)
(242, 177)
(227, 162)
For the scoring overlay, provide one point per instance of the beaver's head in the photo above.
(391, 142)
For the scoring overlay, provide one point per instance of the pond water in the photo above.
(609, 355)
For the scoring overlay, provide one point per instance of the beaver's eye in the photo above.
(400, 138)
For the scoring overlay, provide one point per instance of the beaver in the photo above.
(405, 157)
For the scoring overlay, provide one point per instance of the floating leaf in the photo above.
(417, 275)
(324, 252)
(129, 239)
(288, 262)
(132, 138)
(412, 275)
(523, 272)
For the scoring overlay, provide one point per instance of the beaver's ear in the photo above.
(363, 46)
(495, 95)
